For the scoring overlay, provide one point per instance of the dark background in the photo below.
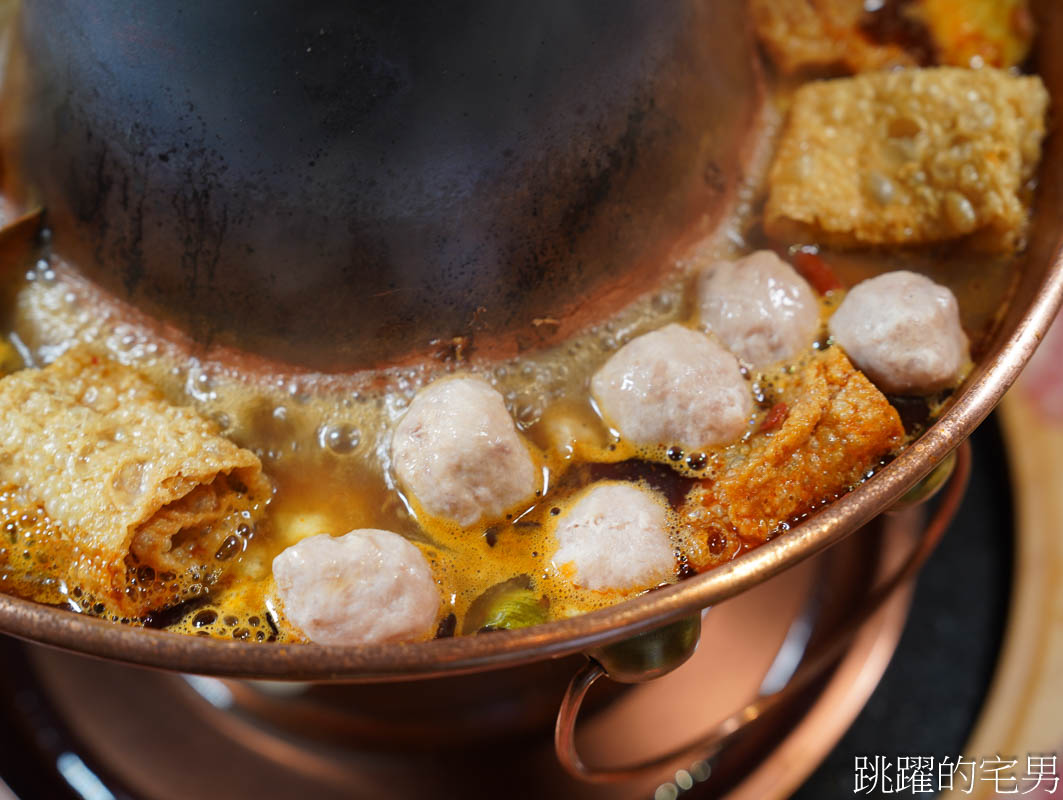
(930, 697)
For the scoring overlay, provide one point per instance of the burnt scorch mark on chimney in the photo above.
(113, 202)
(603, 171)
(130, 243)
(202, 219)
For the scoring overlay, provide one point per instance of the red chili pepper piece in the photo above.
(816, 271)
(775, 417)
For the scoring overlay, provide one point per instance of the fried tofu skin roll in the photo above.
(137, 485)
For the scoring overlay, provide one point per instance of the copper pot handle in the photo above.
(811, 667)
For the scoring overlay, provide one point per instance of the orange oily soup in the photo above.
(799, 408)
(198, 558)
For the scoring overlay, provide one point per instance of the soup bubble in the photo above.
(340, 438)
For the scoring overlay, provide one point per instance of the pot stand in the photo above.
(167, 736)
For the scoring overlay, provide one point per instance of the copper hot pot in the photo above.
(455, 164)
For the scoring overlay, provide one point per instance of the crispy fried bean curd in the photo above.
(833, 429)
(817, 34)
(132, 480)
(677, 433)
(909, 157)
(857, 36)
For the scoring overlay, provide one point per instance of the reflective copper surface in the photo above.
(1036, 299)
(329, 741)
(814, 667)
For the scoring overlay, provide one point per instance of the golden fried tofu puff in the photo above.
(909, 157)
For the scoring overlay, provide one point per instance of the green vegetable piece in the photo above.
(517, 609)
(506, 606)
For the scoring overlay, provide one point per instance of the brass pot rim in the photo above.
(395, 662)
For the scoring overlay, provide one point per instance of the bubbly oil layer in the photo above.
(324, 440)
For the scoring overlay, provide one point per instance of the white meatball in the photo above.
(759, 307)
(458, 452)
(903, 330)
(673, 386)
(615, 537)
(366, 586)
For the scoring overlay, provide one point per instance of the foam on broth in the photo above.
(324, 440)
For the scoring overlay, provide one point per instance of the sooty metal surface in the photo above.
(336, 184)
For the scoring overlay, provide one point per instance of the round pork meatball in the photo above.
(366, 586)
(674, 386)
(458, 452)
(759, 307)
(615, 538)
(903, 330)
